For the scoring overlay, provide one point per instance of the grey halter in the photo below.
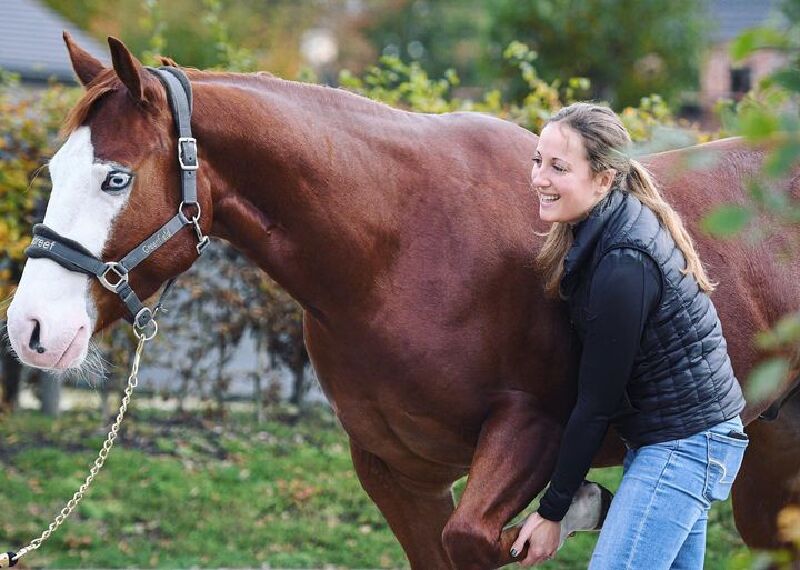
(113, 275)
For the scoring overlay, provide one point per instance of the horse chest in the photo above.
(401, 435)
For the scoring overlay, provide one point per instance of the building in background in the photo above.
(720, 76)
(31, 43)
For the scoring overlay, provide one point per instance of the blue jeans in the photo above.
(658, 518)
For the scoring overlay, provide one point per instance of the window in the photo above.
(740, 80)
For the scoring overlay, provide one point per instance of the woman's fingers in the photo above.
(536, 556)
(522, 538)
(524, 535)
(540, 548)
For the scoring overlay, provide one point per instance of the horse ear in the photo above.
(86, 66)
(167, 61)
(128, 68)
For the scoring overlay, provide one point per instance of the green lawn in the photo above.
(197, 493)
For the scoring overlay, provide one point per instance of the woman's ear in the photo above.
(604, 180)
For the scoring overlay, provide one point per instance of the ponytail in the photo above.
(641, 184)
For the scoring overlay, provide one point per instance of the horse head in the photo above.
(115, 182)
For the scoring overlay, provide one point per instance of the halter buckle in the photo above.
(118, 270)
(187, 153)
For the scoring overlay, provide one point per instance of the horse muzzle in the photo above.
(51, 345)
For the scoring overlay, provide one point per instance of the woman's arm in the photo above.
(626, 285)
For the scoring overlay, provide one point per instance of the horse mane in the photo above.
(323, 95)
(108, 81)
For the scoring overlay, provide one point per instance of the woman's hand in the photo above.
(542, 537)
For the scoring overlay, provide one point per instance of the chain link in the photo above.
(133, 380)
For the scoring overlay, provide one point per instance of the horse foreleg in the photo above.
(769, 479)
(513, 461)
(415, 512)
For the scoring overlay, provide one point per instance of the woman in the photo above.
(653, 363)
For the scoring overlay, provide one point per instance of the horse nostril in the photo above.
(34, 342)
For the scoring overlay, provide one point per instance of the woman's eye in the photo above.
(537, 161)
(558, 168)
(116, 180)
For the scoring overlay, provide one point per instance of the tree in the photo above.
(627, 48)
(439, 34)
(237, 35)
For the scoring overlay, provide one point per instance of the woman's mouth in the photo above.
(548, 197)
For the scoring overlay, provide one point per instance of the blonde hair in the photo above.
(606, 142)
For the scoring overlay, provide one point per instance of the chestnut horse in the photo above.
(409, 241)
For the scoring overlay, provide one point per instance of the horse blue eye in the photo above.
(115, 181)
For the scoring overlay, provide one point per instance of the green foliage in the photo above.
(606, 41)
(408, 85)
(228, 56)
(786, 331)
(765, 377)
(155, 26)
(434, 34)
(400, 84)
(603, 40)
(208, 34)
(758, 38)
(727, 221)
(768, 117)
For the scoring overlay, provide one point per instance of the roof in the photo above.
(31, 41)
(732, 17)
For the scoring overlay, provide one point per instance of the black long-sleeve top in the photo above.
(625, 286)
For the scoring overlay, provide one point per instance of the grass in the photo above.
(199, 493)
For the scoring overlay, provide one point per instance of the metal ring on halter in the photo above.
(194, 218)
(144, 321)
(113, 267)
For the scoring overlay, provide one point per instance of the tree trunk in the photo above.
(219, 389)
(258, 388)
(50, 394)
(105, 404)
(183, 391)
(12, 376)
(298, 369)
(258, 398)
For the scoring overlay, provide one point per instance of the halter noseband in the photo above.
(113, 275)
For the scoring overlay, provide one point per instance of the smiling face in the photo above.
(563, 178)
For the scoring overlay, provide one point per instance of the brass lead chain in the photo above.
(10, 558)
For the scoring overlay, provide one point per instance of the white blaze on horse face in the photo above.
(55, 297)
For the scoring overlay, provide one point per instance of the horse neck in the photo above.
(293, 176)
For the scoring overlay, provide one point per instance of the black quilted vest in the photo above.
(682, 382)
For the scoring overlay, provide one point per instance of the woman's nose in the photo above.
(537, 180)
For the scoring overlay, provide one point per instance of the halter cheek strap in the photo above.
(113, 275)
